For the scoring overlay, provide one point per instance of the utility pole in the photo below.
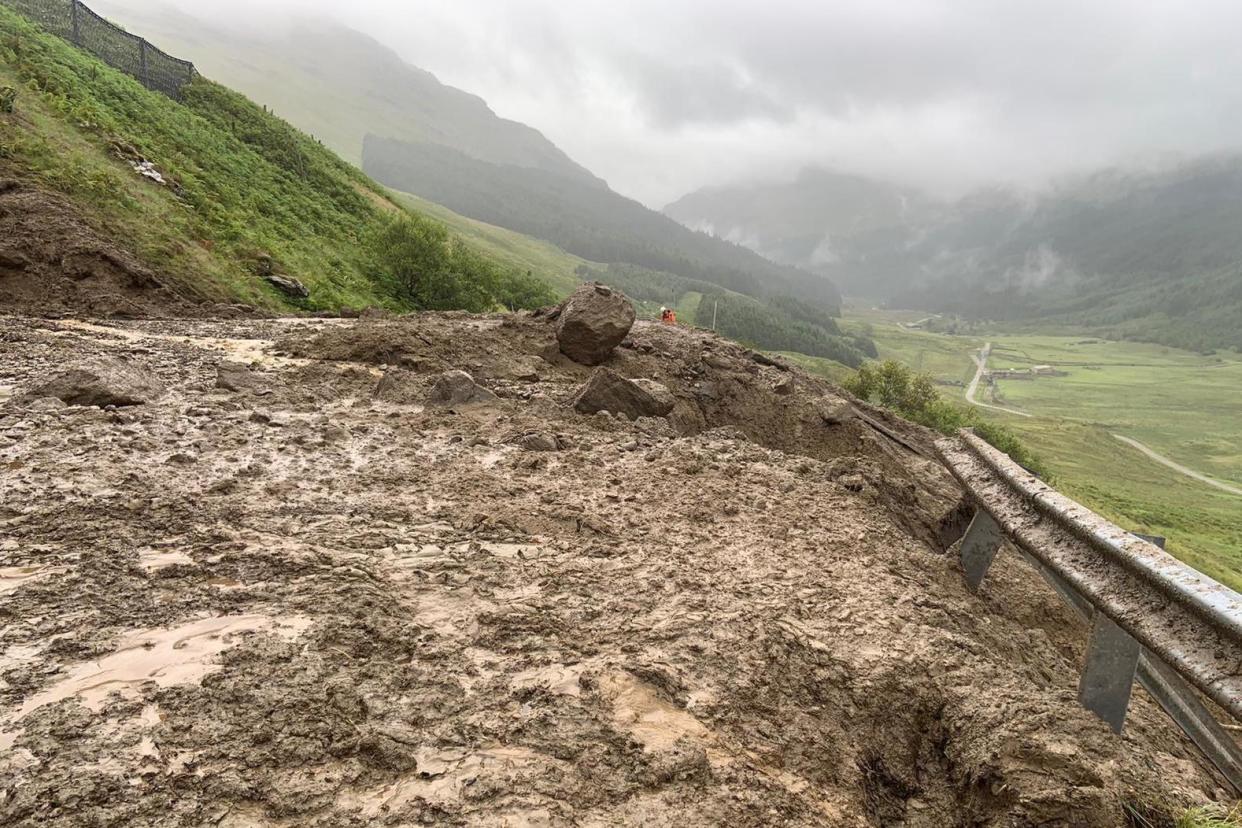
(715, 310)
(73, 17)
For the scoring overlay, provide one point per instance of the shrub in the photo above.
(914, 396)
(432, 269)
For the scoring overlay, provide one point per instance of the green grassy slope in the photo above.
(338, 84)
(556, 267)
(250, 183)
(1181, 404)
(237, 166)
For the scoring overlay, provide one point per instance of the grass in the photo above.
(1181, 404)
(1211, 816)
(829, 369)
(249, 184)
(541, 258)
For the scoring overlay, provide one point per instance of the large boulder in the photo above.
(101, 382)
(592, 322)
(607, 390)
(458, 388)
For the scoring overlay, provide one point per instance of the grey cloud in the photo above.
(663, 96)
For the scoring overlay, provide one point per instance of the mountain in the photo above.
(586, 220)
(1150, 255)
(446, 146)
(339, 84)
(844, 226)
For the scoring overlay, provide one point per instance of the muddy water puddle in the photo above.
(653, 722)
(16, 576)
(153, 560)
(174, 656)
(251, 351)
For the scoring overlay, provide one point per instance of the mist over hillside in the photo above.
(340, 84)
(1138, 254)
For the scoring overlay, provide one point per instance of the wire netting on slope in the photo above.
(129, 53)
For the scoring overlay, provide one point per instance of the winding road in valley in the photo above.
(1178, 467)
(981, 366)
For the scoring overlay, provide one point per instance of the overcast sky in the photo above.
(661, 97)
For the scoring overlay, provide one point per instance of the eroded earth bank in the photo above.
(322, 586)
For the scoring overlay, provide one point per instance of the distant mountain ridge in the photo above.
(444, 145)
(588, 221)
(1149, 255)
(339, 84)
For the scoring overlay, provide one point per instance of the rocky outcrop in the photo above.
(288, 285)
(609, 391)
(458, 388)
(102, 382)
(593, 321)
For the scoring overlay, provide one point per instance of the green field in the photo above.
(1180, 404)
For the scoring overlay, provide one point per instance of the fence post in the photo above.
(142, 63)
(73, 17)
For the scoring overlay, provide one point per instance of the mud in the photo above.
(300, 605)
(54, 263)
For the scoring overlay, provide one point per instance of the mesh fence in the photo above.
(116, 47)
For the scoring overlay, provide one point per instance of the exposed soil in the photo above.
(53, 263)
(298, 605)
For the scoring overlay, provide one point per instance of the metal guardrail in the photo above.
(1153, 618)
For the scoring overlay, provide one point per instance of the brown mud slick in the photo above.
(276, 595)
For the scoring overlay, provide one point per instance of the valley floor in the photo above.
(303, 602)
(1179, 405)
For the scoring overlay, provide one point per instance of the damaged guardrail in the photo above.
(1152, 617)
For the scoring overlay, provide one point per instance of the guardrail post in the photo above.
(1108, 676)
(983, 538)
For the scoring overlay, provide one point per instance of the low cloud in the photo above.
(664, 97)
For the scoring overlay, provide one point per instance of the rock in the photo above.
(771, 362)
(12, 260)
(374, 312)
(399, 386)
(287, 285)
(536, 441)
(42, 404)
(527, 367)
(234, 376)
(664, 399)
(593, 321)
(607, 390)
(834, 410)
(458, 388)
(786, 386)
(104, 381)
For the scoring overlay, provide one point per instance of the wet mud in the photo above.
(297, 604)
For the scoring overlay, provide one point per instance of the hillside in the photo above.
(846, 227)
(445, 146)
(239, 193)
(586, 220)
(311, 597)
(338, 84)
(1144, 255)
